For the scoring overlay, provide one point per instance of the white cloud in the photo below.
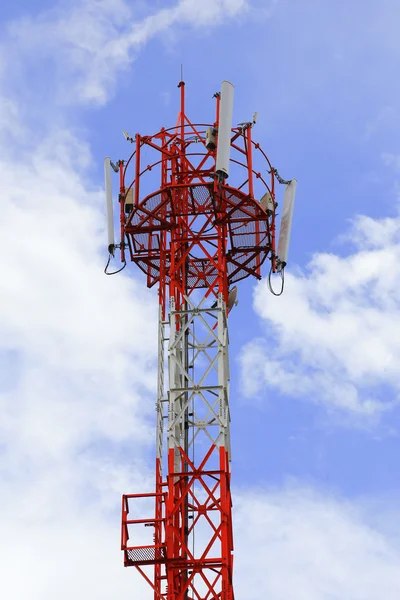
(336, 326)
(60, 528)
(299, 543)
(70, 325)
(93, 41)
(77, 384)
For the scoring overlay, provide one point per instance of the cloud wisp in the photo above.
(92, 43)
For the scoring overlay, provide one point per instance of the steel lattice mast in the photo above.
(194, 237)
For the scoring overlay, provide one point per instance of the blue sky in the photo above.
(315, 373)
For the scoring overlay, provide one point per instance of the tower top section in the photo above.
(185, 186)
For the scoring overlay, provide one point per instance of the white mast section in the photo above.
(199, 390)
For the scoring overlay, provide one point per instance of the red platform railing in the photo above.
(143, 554)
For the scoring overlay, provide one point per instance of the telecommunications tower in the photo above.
(198, 211)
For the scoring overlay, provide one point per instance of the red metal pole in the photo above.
(122, 207)
(137, 169)
(250, 161)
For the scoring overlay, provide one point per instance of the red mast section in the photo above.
(210, 223)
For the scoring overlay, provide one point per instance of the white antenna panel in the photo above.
(266, 203)
(110, 214)
(286, 222)
(224, 129)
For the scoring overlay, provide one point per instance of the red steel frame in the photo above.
(194, 232)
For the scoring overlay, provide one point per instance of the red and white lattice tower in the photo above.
(197, 214)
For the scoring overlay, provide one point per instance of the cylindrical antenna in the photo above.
(286, 223)
(224, 130)
(110, 214)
